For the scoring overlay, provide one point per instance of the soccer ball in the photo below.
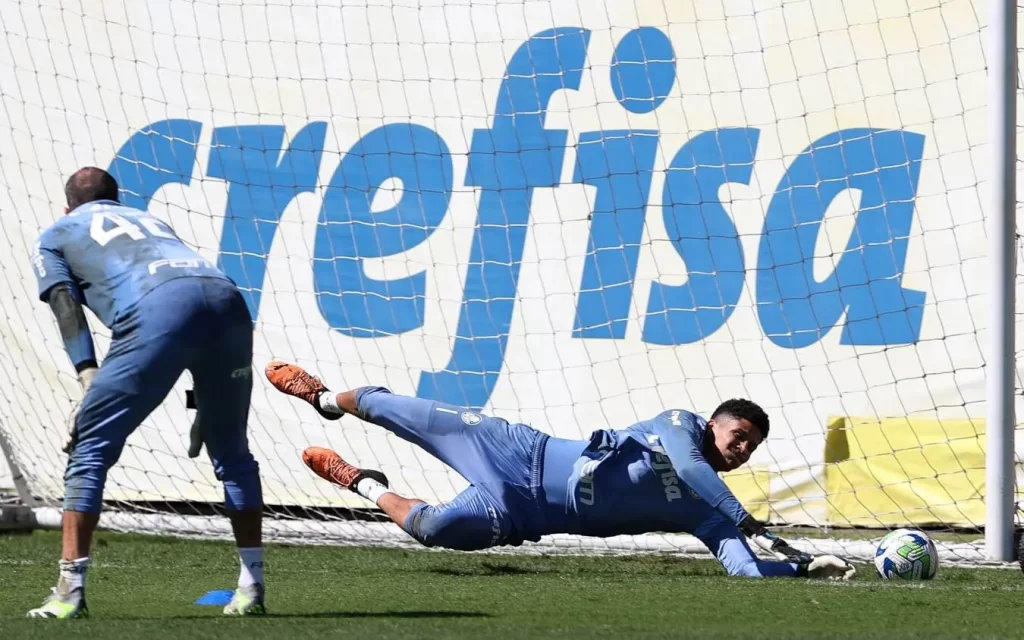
(906, 554)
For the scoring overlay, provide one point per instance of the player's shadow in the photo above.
(489, 569)
(384, 614)
(412, 615)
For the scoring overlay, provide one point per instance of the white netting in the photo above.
(571, 214)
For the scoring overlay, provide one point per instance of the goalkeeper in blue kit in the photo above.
(168, 310)
(659, 475)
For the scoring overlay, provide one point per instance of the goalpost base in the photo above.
(16, 517)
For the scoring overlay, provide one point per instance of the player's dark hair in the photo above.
(742, 409)
(88, 185)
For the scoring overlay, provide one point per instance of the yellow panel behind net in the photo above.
(901, 471)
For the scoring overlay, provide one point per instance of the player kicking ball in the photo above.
(168, 310)
(659, 475)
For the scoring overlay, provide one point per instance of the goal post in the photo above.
(570, 214)
(1000, 365)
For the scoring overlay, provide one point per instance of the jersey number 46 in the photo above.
(123, 226)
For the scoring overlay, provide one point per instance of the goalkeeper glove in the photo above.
(195, 434)
(828, 567)
(195, 437)
(85, 380)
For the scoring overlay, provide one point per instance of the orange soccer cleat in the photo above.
(331, 467)
(293, 380)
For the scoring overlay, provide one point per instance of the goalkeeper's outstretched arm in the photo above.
(726, 541)
(684, 442)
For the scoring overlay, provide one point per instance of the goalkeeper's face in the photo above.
(732, 442)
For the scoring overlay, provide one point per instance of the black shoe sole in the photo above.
(324, 414)
(373, 474)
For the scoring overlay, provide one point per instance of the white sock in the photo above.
(72, 573)
(329, 402)
(251, 561)
(371, 489)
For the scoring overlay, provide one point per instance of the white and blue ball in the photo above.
(906, 554)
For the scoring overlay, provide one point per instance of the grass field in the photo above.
(144, 587)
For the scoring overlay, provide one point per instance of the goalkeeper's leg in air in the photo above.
(496, 457)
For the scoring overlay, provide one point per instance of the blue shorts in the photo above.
(199, 324)
(502, 462)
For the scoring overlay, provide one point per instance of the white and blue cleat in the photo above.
(60, 604)
(246, 601)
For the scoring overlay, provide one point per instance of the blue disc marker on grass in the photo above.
(216, 598)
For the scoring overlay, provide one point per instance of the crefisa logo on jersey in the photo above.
(495, 523)
(669, 478)
(470, 418)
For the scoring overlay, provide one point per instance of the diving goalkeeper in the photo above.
(659, 475)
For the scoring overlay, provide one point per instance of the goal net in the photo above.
(569, 214)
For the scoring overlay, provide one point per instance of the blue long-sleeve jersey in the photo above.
(524, 484)
(649, 477)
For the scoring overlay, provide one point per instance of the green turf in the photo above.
(143, 587)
